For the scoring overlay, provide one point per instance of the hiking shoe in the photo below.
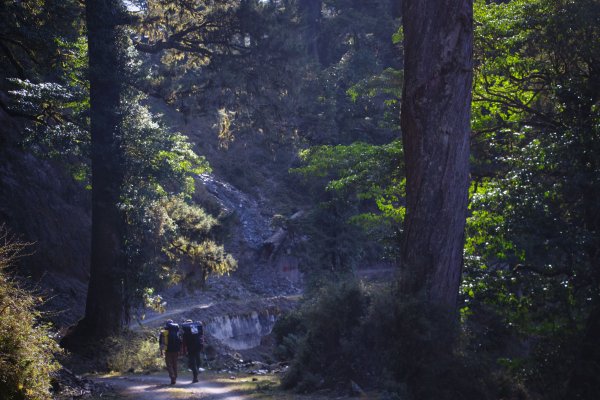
(172, 381)
(195, 380)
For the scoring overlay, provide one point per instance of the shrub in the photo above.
(26, 347)
(348, 332)
(134, 352)
(287, 333)
(326, 353)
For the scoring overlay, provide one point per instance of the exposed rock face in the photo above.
(261, 250)
(241, 332)
(41, 204)
(254, 227)
(237, 325)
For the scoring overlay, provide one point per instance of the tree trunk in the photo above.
(104, 306)
(435, 120)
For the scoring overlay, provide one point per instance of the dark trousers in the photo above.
(194, 362)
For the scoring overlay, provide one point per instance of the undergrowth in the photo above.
(348, 333)
(26, 347)
(133, 352)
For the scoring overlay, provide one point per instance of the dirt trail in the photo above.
(157, 387)
(212, 386)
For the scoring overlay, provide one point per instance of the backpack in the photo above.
(193, 334)
(173, 341)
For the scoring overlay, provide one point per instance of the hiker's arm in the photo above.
(161, 345)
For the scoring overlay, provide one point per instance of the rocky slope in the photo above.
(42, 205)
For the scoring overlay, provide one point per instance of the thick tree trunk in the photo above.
(104, 306)
(435, 120)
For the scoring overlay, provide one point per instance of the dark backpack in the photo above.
(173, 339)
(193, 335)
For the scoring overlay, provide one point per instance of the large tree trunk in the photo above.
(435, 120)
(104, 306)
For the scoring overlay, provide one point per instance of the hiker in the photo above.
(193, 341)
(169, 342)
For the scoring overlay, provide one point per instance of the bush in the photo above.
(134, 352)
(26, 347)
(287, 333)
(348, 332)
(326, 353)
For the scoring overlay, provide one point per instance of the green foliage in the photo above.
(326, 354)
(376, 338)
(59, 128)
(533, 229)
(43, 63)
(371, 177)
(333, 247)
(288, 332)
(32, 34)
(385, 89)
(190, 226)
(133, 352)
(27, 349)
(188, 32)
(539, 124)
(160, 167)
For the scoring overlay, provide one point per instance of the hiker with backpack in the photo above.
(169, 343)
(193, 341)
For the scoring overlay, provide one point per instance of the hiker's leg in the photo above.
(198, 360)
(170, 367)
(175, 357)
(194, 364)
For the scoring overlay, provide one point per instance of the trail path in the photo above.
(212, 386)
(157, 387)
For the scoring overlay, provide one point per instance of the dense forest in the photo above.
(401, 195)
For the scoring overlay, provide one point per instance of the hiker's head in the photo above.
(168, 322)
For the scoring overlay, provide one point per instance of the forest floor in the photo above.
(212, 386)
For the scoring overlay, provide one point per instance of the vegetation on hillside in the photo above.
(27, 348)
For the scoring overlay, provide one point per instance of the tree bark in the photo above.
(104, 306)
(435, 121)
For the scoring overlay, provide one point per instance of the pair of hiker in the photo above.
(175, 339)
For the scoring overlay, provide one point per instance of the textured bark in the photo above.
(435, 120)
(104, 306)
